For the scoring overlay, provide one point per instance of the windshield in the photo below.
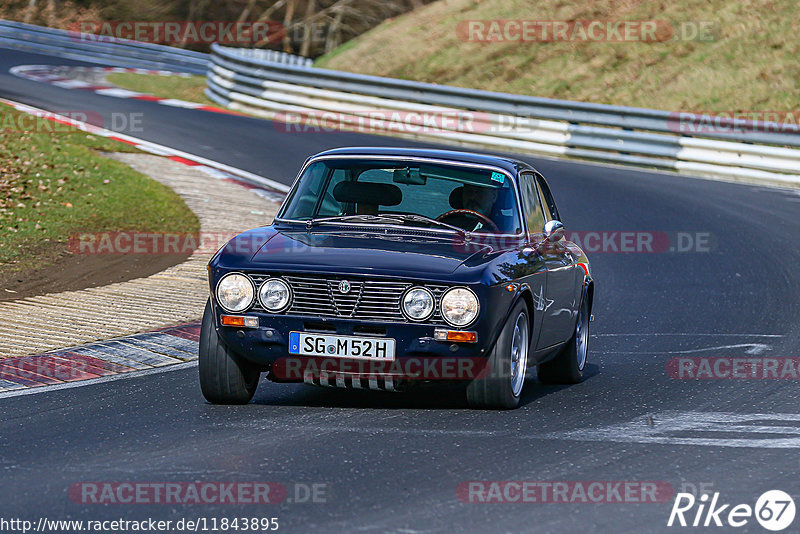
(370, 191)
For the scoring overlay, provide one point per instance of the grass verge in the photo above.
(723, 55)
(178, 87)
(54, 184)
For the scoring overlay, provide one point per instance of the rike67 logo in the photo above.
(774, 510)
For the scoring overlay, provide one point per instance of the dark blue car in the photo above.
(391, 268)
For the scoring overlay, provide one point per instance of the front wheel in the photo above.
(567, 367)
(225, 377)
(505, 372)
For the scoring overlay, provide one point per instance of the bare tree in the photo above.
(334, 37)
(308, 28)
(29, 11)
(245, 14)
(287, 22)
(51, 13)
(311, 27)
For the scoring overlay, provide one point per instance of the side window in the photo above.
(551, 212)
(304, 199)
(534, 217)
(330, 206)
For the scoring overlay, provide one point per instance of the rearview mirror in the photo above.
(408, 176)
(553, 231)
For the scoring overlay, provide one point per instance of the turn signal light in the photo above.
(455, 335)
(238, 320)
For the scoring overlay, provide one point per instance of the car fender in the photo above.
(523, 292)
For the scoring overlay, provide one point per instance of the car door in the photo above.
(560, 305)
(533, 254)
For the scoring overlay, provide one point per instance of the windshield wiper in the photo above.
(354, 218)
(396, 218)
(422, 218)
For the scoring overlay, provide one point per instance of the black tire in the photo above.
(496, 390)
(225, 377)
(568, 365)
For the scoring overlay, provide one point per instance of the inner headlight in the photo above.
(418, 304)
(275, 295)
(459, 306)
(235, 292)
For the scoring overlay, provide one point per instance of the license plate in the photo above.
(365, 348)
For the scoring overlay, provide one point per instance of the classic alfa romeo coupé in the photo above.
(387, 268)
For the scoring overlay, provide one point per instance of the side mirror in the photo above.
(553, 231)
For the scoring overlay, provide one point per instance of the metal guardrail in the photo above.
(118, 52)
(637, 136)
(278, 85)
(274, 56)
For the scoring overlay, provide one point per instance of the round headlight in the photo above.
(459, 306)
(275, 295)
(418, 303)
(235, 292)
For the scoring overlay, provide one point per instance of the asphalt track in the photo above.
(392, 462)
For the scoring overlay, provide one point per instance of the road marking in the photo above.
(132, 352)
(689, 334)
(120, 356)
(161, 349)
(88, 350)
(102, 379)
(655, 428)
(751, 348)
(712, 429)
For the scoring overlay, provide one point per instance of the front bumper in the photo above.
(415, 345)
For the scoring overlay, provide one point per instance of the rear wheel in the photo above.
(567, 367)
(225, 377)
(505, 373)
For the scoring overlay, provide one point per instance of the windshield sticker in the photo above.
(498, 177)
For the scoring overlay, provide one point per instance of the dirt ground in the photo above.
(70, 272)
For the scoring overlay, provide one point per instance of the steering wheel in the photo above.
(470, 213)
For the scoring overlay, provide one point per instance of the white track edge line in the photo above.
(160, 149)
(91, 381)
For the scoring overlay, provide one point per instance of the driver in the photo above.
(477, 198)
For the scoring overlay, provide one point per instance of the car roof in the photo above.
(511, 165)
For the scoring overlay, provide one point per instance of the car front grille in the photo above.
(367, 299)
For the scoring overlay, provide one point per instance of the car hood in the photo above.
(365, 252)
